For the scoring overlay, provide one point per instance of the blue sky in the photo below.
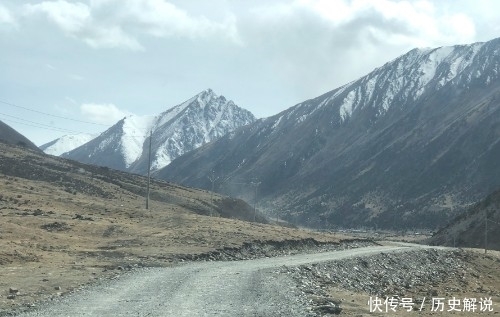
(99, 60)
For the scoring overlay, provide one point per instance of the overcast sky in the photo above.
(99, 60)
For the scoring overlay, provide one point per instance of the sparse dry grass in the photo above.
(47, 240)
(64, 227)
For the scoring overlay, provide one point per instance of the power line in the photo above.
(498, 223)
(51, 115)
(53, 128)
(37, 125)
(33, 122)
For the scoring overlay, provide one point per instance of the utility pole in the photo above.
(212, 179)
(255, 185)
(149, 168)
(485, 231)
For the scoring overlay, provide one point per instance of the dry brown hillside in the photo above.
(64, 224)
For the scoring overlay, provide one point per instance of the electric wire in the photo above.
(36, 125)
(498, 223)
(29, 121)
(51, 127)
(45, 128)
(51, 115)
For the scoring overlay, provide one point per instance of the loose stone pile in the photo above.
(263, 249)
(386, 274)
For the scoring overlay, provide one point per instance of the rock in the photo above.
(328, 309)
(57, 288)
(13, 290)
(387, 274)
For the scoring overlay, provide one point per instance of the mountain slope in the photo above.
(197, 121)
(74, 223)
(66, 143)
(10, 136)
(406, 145)
(468, 229)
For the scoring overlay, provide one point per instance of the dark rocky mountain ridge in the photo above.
(409, 145)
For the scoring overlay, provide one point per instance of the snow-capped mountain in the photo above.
(185, 127)
(66, 143)
(406, 145)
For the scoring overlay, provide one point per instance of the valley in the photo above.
(72, 234)
(65, 224)
(385, 187)
(412, 144)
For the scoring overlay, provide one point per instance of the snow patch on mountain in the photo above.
(171, 113)
(135, 131)
(66, 143)
(346, 108)
(405, 78)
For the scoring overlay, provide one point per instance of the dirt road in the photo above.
(239, 288)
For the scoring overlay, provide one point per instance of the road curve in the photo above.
(238, 288)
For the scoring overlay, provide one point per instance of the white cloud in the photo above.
(111, 37)
(461, 26)
(75, 19)
(102, 113)
(163, 19)
(6, 16)
(317, 45)
(118, 24)
(76, 77)
(71, 17)
(406, 22)
(293, 49)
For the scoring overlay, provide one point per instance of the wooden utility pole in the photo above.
(149, 168)
(255, 185)
(212, 179)
(485, 231)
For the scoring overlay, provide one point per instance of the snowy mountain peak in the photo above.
(66, 143)
(197, 121)
(411, 76)
(208, 92)
(208, 96)
(200, 119)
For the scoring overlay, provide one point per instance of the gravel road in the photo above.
(237, 288)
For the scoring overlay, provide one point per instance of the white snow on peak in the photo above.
(205, 97)
(67, 143)
(180, 129)
(173, 112)
(406, 77)
(347, 105)
(136, 130)
(277, 122)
